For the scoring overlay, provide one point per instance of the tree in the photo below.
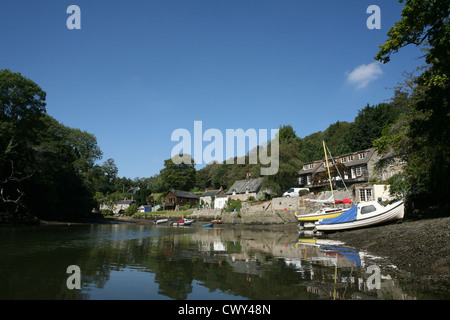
(142, 196)
(44, 165)
(289, 162)
(22, 106)
(178, 176)
(369, 124)
(426, 24)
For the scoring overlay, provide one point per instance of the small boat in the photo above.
(324, 213)
(208, 225)
(189, 221)
(363, 214)
(182, 222)
(159, 221)
(216, 221)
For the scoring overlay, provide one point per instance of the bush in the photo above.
(107, 213)
(303, 192)
(233, 205)
(131, 210)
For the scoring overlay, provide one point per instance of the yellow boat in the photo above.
(325, 213)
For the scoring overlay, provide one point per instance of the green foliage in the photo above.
(142, 197)
(107, 213)
(178, 176)
(233, 205)
(44, 165)
(421, 134)
(426, 24)
(131, 210)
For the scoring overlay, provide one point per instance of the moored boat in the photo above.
(363, 214)
(182, 222)
(208, 225)
(216, 221)
(159, 221)
(324, 213)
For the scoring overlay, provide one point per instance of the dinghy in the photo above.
(364, 214)
(159, 221)
(182, 222)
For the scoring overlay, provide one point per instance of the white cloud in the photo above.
(362, 75)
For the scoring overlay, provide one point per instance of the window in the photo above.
(344, 160)
(358, 171)
(350, 158)
(305, 167)
(308, 179)
(311, 165)
(365, 194)
(362, 155)
(368, 209)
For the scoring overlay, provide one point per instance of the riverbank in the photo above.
(420, 247)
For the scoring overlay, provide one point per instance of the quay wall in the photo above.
(277, 211)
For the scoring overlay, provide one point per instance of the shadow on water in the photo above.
(127, 261)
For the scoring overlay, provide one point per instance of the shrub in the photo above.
(107, 213)
(131, 210)
(233, 205)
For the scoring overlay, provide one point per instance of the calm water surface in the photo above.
(128, 261)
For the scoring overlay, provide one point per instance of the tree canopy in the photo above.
(421, 135)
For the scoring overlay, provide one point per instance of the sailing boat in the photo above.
(364, 214)
(327, 212)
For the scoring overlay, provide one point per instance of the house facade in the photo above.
(355, 167)
(216, 199)
(243, 189)
(120, 207)
(176, 198)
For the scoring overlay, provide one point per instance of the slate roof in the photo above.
(211, 193)
(183, 194)
(125, 202)
(252, 185)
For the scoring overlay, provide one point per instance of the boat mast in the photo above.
(328, 168)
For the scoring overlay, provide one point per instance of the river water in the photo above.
(130, 261)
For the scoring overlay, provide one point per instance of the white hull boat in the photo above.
(363, 214)
(182, 222)
(159, 221)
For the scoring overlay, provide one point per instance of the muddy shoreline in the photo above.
(419, 248)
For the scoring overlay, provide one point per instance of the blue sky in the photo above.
(138, 70)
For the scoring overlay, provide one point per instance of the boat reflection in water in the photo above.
(325, 269)
(153, 262)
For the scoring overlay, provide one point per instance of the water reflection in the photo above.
(126, 261)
